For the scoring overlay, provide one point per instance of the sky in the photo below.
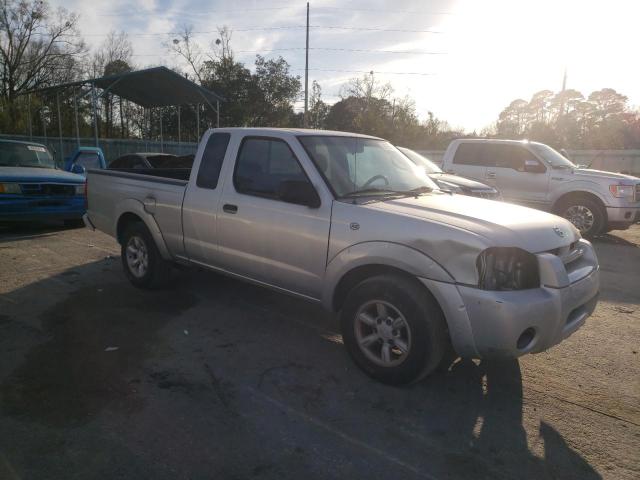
(463, 60)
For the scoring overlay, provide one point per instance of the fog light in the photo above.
(526, 338)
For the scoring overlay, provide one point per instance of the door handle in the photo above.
(227, 207)
(491, 174)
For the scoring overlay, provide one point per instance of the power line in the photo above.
(329, 49)
(283, 27)
(373, 29)
(367, 71)
(182, 13)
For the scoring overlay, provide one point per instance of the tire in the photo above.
(586, 214)
(417, 326)
(150, 271)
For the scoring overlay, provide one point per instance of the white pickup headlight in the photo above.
(507, 268)
(13, 188)
(621, 191)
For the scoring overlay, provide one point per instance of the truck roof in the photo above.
(492, 140)
(294, 131)
(20, 142)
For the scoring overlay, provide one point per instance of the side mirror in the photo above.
(533, 166)
(79, 169)
(299, 192)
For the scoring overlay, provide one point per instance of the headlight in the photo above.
(621, 191)
(10, 188)
(507, 268)
(80, 190)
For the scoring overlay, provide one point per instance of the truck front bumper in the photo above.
(621, 218)
(17, 208)
(512, 323)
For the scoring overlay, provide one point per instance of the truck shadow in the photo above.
(464, 422)
(11, 232)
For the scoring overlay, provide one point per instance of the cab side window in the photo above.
(263, 164)
(511, 156)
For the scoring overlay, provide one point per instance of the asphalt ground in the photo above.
(217, 379)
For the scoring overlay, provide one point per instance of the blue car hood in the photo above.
(38, 175)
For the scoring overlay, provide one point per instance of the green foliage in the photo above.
(568, 120)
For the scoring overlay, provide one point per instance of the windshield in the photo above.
(22, 155)
(355, 166)
(420, 160)
(550, 156)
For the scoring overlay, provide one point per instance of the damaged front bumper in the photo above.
(512, 323)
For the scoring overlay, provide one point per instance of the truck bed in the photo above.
(154, 194)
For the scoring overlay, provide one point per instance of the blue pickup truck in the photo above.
(83, 159)
(33, 188)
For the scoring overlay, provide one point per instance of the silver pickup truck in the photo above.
(349, 222)
(535, 175)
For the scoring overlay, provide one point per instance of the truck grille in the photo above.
(48, 189)
(637, 192)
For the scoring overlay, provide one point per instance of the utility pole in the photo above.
(306, 76)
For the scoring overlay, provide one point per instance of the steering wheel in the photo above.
(373, 179)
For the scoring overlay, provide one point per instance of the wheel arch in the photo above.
(133, 211)
(364, 260)
(580, 194)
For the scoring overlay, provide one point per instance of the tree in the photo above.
(38, 48)
(276, 91)
(114, 56)
(318, 110)
(566, 119)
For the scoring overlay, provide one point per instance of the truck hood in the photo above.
(590, 173)
(38, 175)
(462, 182)
(499, 223)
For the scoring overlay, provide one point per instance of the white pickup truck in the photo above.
(349, 222)
(535, 175)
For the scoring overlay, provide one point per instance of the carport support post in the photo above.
(178, 126)
(75, 114)
(59, 126)
(198, 121)
(95, 113)
(161, 139)
(29, 115)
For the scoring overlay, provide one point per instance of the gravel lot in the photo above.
(219, 379)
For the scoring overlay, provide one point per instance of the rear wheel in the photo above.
(393, 329)
(585, 213)
(142, 262)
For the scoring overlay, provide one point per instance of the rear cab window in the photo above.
(212, 158)
(471, 154)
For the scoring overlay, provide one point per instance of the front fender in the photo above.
(131, 205)
(389, 254)
(563, 188)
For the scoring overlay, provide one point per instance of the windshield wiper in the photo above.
(389, 193)
(367, 191)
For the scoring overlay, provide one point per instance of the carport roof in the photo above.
(152, 87)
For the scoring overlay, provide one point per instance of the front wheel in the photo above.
(585, 214)
(393, 329)
(142, 262)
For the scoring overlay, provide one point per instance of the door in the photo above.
(200, 205)
(469, 161)
(518, 174)
(263, 237)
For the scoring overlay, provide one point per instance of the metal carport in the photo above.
(150, 88)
